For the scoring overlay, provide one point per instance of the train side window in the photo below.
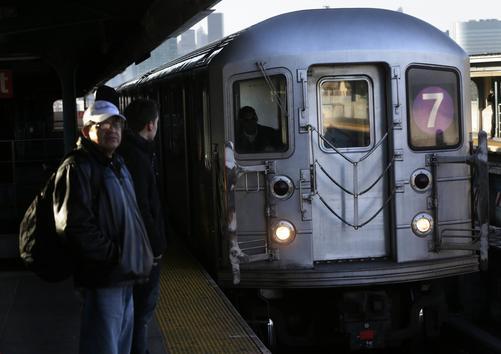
(344, 112)
(433, 108)
(57, 114)
(261, 124)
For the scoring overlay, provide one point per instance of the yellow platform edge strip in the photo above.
(193, 313)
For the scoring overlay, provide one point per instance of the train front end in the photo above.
(348, 167)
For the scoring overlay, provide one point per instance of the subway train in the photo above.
(320, 164)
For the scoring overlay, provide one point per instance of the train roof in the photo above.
(342, 30)
(348, 30)
(196, 59)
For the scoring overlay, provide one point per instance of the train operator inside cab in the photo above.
(252, 137)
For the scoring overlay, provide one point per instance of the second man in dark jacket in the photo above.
(138, 151)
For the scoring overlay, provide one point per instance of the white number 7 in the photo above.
(438, 97)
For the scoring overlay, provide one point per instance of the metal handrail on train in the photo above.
(236, 255)
(272, 88)
(478, 161)
(232, 171)
(355, 193)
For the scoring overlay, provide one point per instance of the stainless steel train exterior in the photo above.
(355, 191)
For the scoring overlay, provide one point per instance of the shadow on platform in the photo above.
(41, 318)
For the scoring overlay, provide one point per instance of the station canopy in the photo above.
(94, 39)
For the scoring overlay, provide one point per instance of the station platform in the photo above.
(494, 145)
(193, 315)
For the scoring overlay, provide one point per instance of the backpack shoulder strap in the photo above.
(96, 173)
(96, 178)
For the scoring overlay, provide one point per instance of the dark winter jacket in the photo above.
(96, 212)
(139, 156)
(266, 139)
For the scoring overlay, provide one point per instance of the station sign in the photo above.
(6, 84)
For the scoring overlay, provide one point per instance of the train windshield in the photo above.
(344, 109)
(261, 124)
(433, 108)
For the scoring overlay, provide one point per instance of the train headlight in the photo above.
(282, 187)
(422, 224)
(421, 180)
(283, 232)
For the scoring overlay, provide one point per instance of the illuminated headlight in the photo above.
(422, 224)
(284, 232)
(281, 187)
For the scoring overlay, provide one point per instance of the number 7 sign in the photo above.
(433, 110)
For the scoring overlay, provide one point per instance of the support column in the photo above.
(495, 108)
(67, 78)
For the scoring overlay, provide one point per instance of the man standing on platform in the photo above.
(95, 211)
(138, 150)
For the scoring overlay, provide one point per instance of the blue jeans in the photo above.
(145, 301)
(107, 321)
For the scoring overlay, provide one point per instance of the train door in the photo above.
(262, 135)
(349, 148)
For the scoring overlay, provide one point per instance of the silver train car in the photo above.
(320, 163)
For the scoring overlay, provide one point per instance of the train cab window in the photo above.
(260, 116)
(344, 112)
(433, 108)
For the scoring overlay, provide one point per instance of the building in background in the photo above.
(481, 39)
(478, 36)
(202, 38)
(187, 42)
(215, 27)
(174, 48)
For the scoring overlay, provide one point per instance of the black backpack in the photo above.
(40, 247)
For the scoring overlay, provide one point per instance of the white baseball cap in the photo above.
(99, 111)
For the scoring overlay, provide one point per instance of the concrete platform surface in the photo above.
(41, 318)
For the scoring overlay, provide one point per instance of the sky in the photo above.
(239, 14)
